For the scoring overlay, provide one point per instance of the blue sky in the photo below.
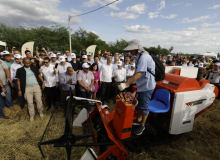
(188, 25)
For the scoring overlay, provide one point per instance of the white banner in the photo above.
(27, 46)
(92, 50)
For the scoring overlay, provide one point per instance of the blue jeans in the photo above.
(86, 94)
(7, 100)
(143, 101)
(20, 98)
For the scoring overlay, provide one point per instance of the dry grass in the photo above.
(19, 138)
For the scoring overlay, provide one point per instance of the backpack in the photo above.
(159, 69)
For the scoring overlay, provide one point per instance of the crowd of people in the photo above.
(51, 76)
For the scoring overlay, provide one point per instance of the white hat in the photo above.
(169, 55)
(217, 64)
(53, 55)
(5, 53)
(205, 63)
(62, 59)
(122, 57)
(200, 64)
(133, 65)
(58, 53)
(119, 63)
(85, 65)
(65, 56)
(84, 56)
(89, 54)
(73, 56)
(50, 52)
(133, 45)
(18, 56)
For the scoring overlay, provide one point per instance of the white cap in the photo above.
(4, 53)
(119, 63)
(84, 56)
(169, 55)
(85, 65)
(133, 65)
(53, 55)
(89, 54)
(73, 56)
(205, 63)
(200, 64)
(217, 64)
(50, 52)
(18, 56)
(122, 57)
(62, 59)
(64, 56)
(58, 53)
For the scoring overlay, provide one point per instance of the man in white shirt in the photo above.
(54, 60)
(115, 63)
(67, 53)
(96, 60)
(17, 64)
(62, 67)
(120, 77)
(89, 60)
(106, 74)
(51, 81)
(103, 59)
(126, 65)
(129, 74)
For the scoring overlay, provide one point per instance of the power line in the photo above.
(94, 10)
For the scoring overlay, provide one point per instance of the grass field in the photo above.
(19, 138)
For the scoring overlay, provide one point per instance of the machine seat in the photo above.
(161, 102)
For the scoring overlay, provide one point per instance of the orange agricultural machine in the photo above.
(176, 102)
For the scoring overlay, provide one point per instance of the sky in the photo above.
(190, 26)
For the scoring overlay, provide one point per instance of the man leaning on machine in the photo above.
(145, 82)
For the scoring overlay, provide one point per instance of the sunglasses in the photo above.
(46, 62)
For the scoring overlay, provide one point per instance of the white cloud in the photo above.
(169, 17)
(214, 7)
(92, 3)
(139, 8)
(201, 40)
(138, 28)
(190, 29)
(175, 4)
(152, 15)
(202, 18)
(188, 4)
(124, 15)
(161, 5)
(32, 13)
(208, 24)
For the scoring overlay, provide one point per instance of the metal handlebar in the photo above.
(134, 99)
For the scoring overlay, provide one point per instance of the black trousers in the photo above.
(105, 89)
(51, 93)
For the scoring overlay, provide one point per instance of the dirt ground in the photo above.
(19, 138)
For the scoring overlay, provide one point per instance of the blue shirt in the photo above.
(65, 78)
(147, 81)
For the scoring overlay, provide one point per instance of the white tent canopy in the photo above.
(3, 43)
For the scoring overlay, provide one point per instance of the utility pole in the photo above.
(70, 36)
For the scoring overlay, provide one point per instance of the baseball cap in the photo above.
(105, 52)
(119, 63)
(73, 56)
(89, 54)
(5, 53)
(53, 55)
(85, 65)
(58, 53)
(205, 63)
(217, 64)
(84, 56)
(121, 57)
(133, 65)
(62, 59)
(200, 64)
(133, 45)
(18, 56)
